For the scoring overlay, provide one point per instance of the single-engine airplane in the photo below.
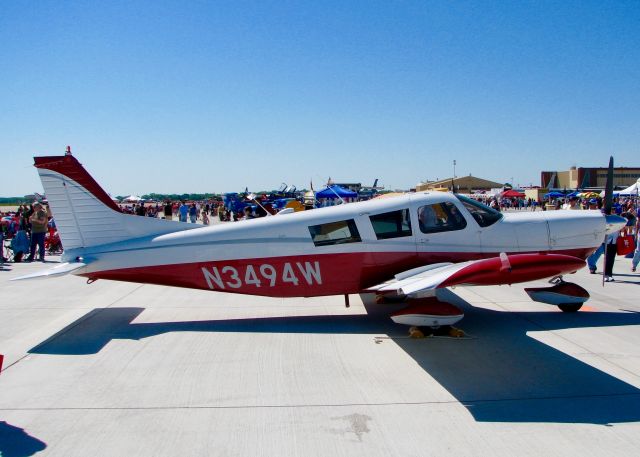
(407, 246)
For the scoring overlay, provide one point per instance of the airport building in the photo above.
(462, 184)
(582, 178)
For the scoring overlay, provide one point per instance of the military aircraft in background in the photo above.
(404, 247)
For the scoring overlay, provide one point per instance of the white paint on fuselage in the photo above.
(289, 235)
(545, 230)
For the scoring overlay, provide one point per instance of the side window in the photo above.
(484, 215)
(440, 217)
(391, 225)
(335, 233)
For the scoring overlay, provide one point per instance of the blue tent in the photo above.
(331, 191)
(573, 194)
(554, 195)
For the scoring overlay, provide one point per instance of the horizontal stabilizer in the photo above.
(58, 270)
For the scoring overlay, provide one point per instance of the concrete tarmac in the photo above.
(119, 369)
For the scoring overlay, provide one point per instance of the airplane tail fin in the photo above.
(84, 214)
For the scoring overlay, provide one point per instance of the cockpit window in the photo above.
(440, 217)
(483, 215)
(393, 224)
(335, 233)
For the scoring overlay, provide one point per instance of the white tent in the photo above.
(132, 199)
(631, 190)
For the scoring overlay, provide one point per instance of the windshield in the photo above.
(483, 215)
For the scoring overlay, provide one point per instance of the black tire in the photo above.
(387, 299)
(570, 307)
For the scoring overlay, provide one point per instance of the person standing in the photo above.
(183, 211)
(636, 253)
(168, 211)
(572, 203)
(248, 213)
(193, 213)
(39, 222)
(610, 256)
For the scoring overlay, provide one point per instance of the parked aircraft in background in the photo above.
(367, 192)
(407, 246)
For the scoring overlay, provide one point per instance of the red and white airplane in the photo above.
(407, 246)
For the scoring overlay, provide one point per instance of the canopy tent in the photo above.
(629, 191)
(588, 195)
(132, 199)
(575, 193)
(512, 193)
(335, 191)
(617, 193)
(554, 195)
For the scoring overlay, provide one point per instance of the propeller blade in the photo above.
(608, 190)
(608, 204)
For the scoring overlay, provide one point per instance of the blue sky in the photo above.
(215, 96)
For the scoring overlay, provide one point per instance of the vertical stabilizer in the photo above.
(85, 215)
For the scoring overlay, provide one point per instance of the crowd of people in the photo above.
(194, 212)
(29, 228)
(515, 203)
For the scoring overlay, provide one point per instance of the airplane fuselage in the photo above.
(337, 250)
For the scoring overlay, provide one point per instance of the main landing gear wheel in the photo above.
(570, 307)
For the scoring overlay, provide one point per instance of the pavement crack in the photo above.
(323, 405)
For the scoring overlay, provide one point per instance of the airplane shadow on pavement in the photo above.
(15, 442)
(502, 376)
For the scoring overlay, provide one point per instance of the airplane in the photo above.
(400, 248)
(366, 192)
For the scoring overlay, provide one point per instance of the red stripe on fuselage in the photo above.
(293, 276)
(290, 276)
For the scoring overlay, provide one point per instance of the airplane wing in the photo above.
(58, 270)
(504, 269)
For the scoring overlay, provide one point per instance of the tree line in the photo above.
(174, 197)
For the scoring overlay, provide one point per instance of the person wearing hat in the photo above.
(593, 203)
(38, 221)
(573, 203)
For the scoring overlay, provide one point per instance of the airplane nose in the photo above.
(614, 223)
